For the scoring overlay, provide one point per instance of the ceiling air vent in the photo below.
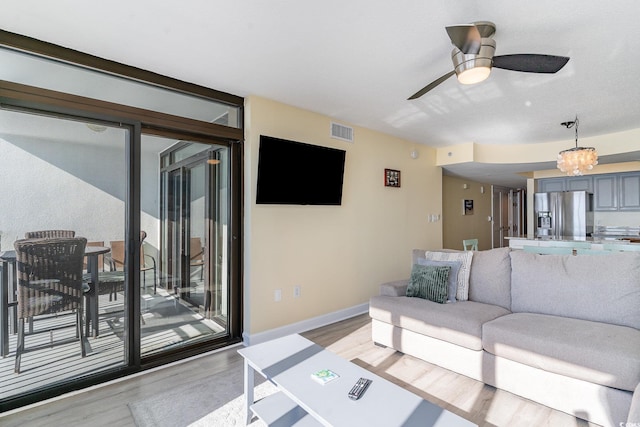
(342, 132)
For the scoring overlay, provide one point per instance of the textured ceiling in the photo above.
(359, 61)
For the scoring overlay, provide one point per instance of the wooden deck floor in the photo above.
(167, 324)
(351, 339)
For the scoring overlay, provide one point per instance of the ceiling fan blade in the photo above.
(530, 62)
(465, 37)
(431, 85)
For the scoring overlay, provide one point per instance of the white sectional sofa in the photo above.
(561, 330)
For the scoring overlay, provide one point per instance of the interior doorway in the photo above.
(508, 214)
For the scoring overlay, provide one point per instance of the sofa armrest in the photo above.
(394, 289)
(634, 412)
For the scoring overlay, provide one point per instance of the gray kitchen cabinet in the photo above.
(551, 184)
(579, 183)
(611, 192)
(629, 191)
(605, 194)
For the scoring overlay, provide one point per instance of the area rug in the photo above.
(215, 400)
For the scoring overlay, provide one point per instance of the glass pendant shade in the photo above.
(575, 161)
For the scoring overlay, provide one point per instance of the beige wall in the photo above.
(457, 227)
(608, 144)
(338, 254)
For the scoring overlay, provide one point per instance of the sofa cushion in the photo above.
(459, 323)
(462, 292)
(634, 411)
(597, 352)
(453, 275)
(429, 282)
(419, 253)
(416, 254)
(601, 288)
(490, 277)
(394, 289)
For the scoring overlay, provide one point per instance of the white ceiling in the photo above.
(358, 61)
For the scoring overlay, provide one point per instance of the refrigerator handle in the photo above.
(559, 220)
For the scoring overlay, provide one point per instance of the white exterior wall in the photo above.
(82, 187)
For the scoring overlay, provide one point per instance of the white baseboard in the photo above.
(305, 325)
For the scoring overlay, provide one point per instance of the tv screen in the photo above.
(295, 173)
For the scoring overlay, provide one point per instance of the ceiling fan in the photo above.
(473, 57)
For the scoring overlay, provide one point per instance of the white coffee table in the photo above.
(288, 363)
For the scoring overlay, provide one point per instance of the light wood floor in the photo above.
(351, 339)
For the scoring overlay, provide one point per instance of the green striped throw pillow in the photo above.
(429, 282)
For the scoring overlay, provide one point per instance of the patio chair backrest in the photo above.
(49, 234)
(196, 251)
(117, 254)
(49, 275)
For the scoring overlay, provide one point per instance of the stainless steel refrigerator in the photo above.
(564, 214)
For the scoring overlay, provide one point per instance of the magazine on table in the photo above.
(324, 376)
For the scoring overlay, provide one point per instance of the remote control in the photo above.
(359, 388)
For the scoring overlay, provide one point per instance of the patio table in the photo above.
(92, 253)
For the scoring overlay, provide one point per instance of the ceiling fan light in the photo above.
(474, 68)
(473, 75)
(96, 128)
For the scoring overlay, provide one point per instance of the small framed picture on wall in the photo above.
(467, 207)
(391, 178)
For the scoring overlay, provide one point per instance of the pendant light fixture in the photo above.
(575, 161)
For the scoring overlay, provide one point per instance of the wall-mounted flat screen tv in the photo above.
(296, 173)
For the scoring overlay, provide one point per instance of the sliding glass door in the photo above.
(149, 170)
(63, 173)
(189, 304)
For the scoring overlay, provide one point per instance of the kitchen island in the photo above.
(595, 243)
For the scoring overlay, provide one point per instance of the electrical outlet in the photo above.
(297, 291)
(277, 295)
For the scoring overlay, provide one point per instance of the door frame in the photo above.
(19, 96)
(508, 214)
(183, 170)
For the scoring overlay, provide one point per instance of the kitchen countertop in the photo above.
(596, 239)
